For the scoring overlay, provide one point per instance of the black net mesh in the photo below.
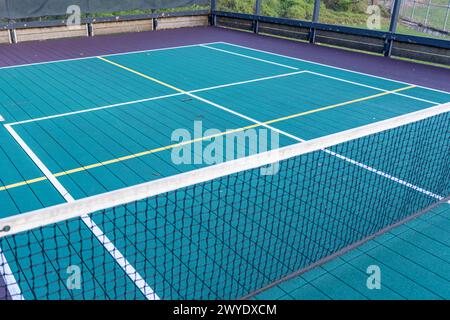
(230, 236)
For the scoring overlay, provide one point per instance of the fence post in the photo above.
(213, 12)
(12, 35)
(446, 16)
(392, 28)
(428, 13)
(257, 13)
(315, 19)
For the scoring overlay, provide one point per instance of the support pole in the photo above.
(392, 28)
(257, 13)
(446, 16)
(315, 19)
(213, 13)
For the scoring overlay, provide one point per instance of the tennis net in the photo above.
(227, 231)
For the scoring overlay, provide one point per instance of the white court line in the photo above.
(154, 98)
(302, 140)
(11, 284)
(329, 66)
(1, 118)
(102, 201)
(371, 87)
(106, 55)
(249, 57)
(101, 237)
(359, 164)
(94, 109)
(326, 76)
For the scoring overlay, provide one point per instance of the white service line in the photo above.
(1, 118)
(248, 81)
(8, 277)
(326, 76)
(329, 66)
(155, 98)
(249, 57)
(105, 55)
(371, 87)
(386, 175)
(99, 234)
(94, 109)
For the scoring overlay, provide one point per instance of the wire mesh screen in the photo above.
(19, 9)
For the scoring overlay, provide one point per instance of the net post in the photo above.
(257, 13)
(315, 19)
(392, 28)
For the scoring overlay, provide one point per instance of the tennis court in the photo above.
(79, 134)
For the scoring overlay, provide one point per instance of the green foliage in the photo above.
(270, 8)
(241, 6)
(297, 9)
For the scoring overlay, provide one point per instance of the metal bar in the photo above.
(377, 34)
(428, 13)
(392, 27)
(315, 19)
(213, 14)
(54, 23)
(413, 10)
(446, 16)
(257, 13)
(154, 21)
(13, 35)
(395, 15)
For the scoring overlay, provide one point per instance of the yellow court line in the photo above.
(23, 183)
(152, 151)
(301, 114)
(142, 75)
(124, 158)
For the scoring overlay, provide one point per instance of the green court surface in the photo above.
(104, 123)
(414, 260)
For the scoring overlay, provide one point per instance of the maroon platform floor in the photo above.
(38, 51)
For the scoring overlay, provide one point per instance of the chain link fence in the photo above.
(428, 13)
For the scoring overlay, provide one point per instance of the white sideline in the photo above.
(329, 66)
(154, 98)
(62, 212)
(101, 237)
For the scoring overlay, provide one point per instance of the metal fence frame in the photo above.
(12, 26)
(313, 25)
(428, 6)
